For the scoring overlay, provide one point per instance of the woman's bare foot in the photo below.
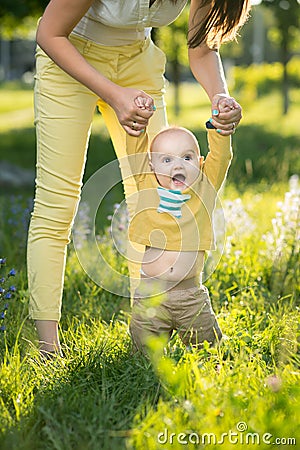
(49, 344)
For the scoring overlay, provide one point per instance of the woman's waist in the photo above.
(107, 35)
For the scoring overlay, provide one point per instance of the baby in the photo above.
(173, 219)
(177, 192)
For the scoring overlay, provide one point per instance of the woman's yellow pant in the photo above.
(64, 111)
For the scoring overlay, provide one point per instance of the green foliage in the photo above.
(20, 8)
(258, 80)
(172, 39)
(287, 15)
(18, 18)
(13, 27)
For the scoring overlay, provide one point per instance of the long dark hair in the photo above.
(220, 24)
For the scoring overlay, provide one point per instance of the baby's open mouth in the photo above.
(178, 179)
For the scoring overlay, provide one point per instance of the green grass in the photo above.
(15, 99)
(16, 107)
(101, 395)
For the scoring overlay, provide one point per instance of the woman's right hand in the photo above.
(57, 22)
(133, 109)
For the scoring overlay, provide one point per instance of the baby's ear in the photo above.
(201, 162)
(151, 165)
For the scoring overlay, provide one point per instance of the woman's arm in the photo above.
(207, 68)
(58, 21)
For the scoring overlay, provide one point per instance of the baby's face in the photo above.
(175, 160)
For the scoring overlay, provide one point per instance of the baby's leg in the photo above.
(196, 320)
(150, 318)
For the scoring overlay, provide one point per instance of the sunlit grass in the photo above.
(16, 110)
(266, 110)
(14, 100)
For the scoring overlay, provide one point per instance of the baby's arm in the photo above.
(225, 105)
(219, 156)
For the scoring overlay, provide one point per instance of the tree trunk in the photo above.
(285, 78)
(176, 81)
(5, 59)
(286, 101)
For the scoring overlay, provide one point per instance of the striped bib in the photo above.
(170, 201)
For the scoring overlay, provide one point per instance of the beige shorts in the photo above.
(185, 308)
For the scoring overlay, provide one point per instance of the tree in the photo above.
(287, 14)
(19, 9)
(18, 18)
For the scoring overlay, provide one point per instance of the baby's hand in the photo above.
(226, 114)
(225, 105)
(144, 103)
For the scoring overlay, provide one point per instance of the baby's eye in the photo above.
(187, 157)
(167, 159)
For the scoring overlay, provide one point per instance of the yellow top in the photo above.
(193, 231)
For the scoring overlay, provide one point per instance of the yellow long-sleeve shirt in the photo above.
(193, 231)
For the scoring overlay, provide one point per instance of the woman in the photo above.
(99, 52)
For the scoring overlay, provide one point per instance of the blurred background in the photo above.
(263, 73)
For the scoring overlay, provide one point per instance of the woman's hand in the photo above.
(58, 21)
(133, 109)
(226, 114)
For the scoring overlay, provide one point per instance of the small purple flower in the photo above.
(6, 293)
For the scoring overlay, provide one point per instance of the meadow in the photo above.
(244, 393)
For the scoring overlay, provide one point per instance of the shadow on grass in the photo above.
(260, 155)
(18, 147)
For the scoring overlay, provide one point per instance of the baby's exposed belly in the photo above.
(172, 266)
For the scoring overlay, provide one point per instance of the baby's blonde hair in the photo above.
(170, 129)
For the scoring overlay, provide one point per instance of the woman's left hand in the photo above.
(226, 114)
